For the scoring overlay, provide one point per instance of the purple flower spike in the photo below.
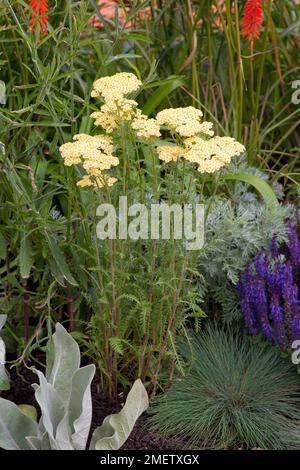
(294, 245)
(269, 292)
(277, 317)
(250, 321)
(296, 328)
(262, 309)
(261, 264)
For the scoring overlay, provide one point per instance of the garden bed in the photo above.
(149, 225)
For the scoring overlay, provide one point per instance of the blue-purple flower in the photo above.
(269, 292)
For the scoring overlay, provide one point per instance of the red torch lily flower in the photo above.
(253, 20)
(39, 14)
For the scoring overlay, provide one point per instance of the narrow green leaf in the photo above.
(2, 92)
(258, 183)
(60, 261)
(25, 256)
(2, 247)
(165, 89)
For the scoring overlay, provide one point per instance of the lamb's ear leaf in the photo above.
(51, 405)
(35, 443)
(15, 426)
(4, 377)
(66, 360)
(2, 321)
(39, 443)
(80, 406)
(73, 431)
(116, 428)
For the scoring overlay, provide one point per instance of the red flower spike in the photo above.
(253, 20)
(39, 14)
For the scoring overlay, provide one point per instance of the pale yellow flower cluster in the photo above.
(145, 128)
(116, 86)
(94, 153)
(99, 181)
(170, 153)
(213, 154)
(112, 113)
(206, 128)
(209, 153)
(117, 108)
(185, 121)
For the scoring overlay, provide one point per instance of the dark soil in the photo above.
(141, 438)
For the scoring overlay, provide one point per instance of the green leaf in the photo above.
(25, 256)
(164, 90)
(120, 57)
(258, 183)
(116, 428)
(2, 92)
(14, 427)
(116, 344)
(60, 260)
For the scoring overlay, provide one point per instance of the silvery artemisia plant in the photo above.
(269, 292)
(64, 397)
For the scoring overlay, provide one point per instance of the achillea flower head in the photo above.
(39, 14)
(112, 113)
(185, 121)
(253, 21)
(116, 86)
(99, 181)
(94, 154)
(169, 153)
(213, 154)
(146, 128)
(269, 292)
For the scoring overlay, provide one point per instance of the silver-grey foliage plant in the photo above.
(64, 397)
